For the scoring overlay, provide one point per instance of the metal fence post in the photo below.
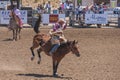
(119, 20)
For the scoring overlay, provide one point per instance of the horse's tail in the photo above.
(37, 23)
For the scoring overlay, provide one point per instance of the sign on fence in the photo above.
(96, 19)
(45, 18)
(4, 16)
(51, 18)
(4, 3)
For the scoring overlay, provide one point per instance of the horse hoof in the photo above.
(55, 75)
(38, 62)
(13, 40)
(32, 58)
(62, 74)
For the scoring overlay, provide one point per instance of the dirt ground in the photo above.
(99, 48)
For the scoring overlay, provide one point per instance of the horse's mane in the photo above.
(13, 16)
(65, 44)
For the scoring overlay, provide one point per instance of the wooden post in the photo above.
(17, 1)
(76, 2)
(18, 4)
(11, 4)
(119, 20)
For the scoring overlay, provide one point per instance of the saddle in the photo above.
(52, 41)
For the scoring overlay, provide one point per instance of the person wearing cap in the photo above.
(57, 35)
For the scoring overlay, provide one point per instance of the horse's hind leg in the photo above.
(16, 34)
(35, 45)
(13, 35)
(39, 51)
(19, 33)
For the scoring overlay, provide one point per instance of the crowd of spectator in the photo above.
(94, 8)
(47, 7)
(67, 6)
(44, 8)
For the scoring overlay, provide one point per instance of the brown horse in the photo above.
(43, 40)
(14, 26)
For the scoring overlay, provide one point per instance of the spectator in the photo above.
(48, 7)
(65, 4)
(38, 8)
(71, 5)
(61, 7)
(101, 10)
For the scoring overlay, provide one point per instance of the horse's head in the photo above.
(74, 48)
(11, 14)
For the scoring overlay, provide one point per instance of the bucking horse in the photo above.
(43, 41)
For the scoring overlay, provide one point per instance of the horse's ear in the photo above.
(76, 42)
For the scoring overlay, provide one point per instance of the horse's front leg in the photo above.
(13, 35)
(56, 62)
(19, 33)
(39, 51)
(16, 34)
(55, 66)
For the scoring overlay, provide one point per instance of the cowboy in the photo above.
(17, 14)
(57, 35)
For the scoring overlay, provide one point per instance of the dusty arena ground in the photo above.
(99, 48)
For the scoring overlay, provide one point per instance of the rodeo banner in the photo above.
(96, 19)
(4, 16)
(51, 18)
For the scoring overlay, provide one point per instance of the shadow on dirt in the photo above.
(43, 76)
(8, 39)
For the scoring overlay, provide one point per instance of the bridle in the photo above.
(71, 47)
